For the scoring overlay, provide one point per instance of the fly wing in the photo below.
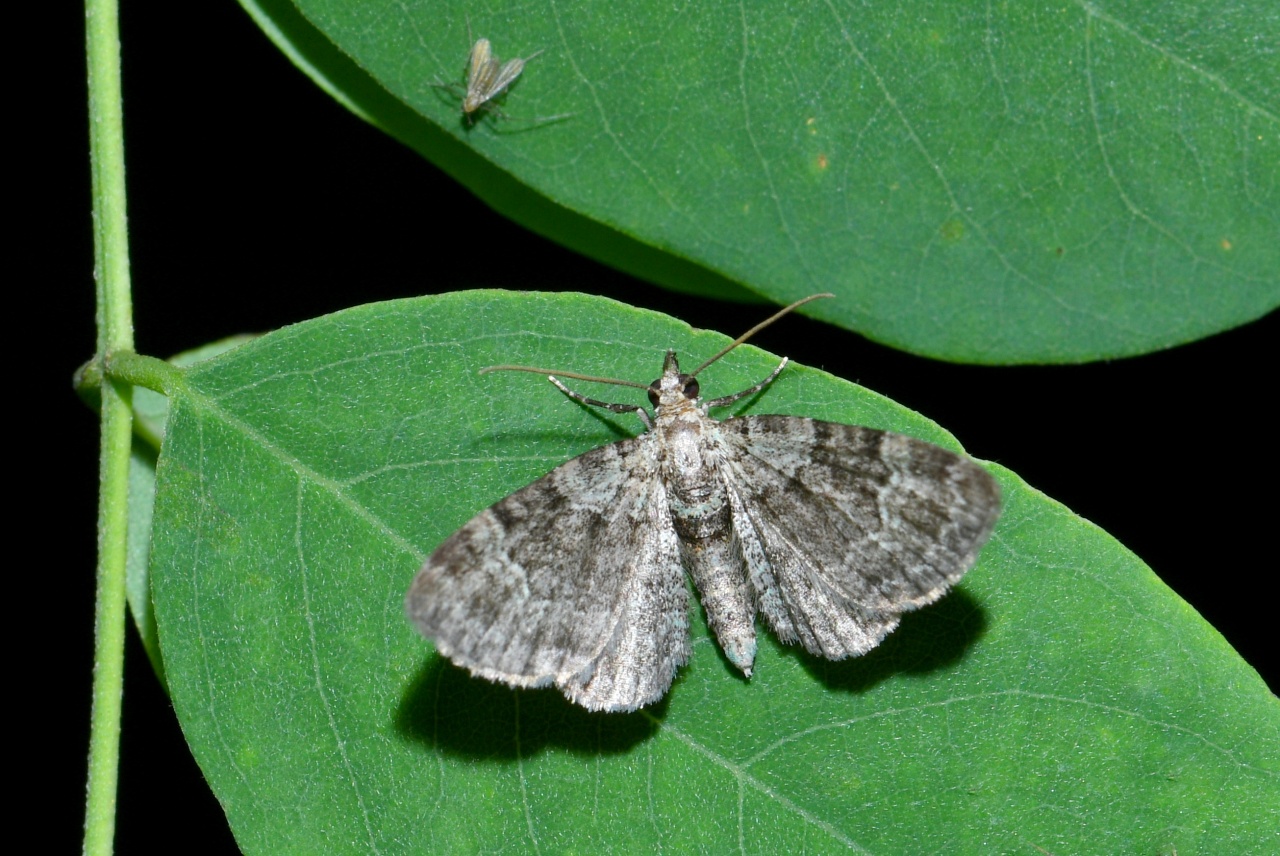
(844, 528)
(574, 580)
(481, 71)
(481, 58)
(506, 76)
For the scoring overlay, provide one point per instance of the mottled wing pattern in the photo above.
(574, 580)
(843, 528)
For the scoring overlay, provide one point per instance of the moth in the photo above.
(829, 532)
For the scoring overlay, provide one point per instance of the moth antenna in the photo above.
(616, 382)
(756, 329)
(574, 375)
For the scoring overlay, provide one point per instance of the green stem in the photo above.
(115, 333)
(148, 372)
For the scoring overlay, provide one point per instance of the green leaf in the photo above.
(150, 413)
(1000, 184)
(1061, 698)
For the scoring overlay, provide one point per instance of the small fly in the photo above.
(487, 79)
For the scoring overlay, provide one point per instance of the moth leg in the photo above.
(615, 408)
(730, 399)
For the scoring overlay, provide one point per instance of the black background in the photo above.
(256, 201)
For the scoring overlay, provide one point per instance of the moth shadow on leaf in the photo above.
(447, 709)
(927, 640)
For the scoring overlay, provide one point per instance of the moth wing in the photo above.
(843, 528)
(574, 580)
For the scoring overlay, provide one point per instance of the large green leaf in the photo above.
(150, 413)
(1060, 700)
(1001, 183)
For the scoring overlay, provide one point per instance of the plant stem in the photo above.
(148, 372)
(115, 333)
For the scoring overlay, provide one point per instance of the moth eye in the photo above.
(653, 395)
(691, 388)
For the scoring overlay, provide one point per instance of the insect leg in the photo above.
(730, 399)
(615, 408)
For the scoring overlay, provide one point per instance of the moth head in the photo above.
(672, 381)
